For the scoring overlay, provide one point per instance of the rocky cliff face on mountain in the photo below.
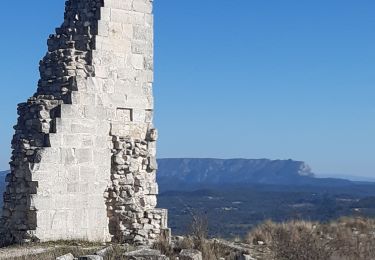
(233, 170)
(187, 173)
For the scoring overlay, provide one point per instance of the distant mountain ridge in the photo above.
(356, 178)
(197, 172)
(2, 187)
(2, 178)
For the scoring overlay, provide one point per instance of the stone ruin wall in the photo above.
(83, 163)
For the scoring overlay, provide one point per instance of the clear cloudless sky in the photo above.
(235, 78)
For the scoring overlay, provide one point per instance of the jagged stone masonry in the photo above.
(83, 163)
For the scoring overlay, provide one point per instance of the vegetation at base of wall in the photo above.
(345, 239)
(196, 239)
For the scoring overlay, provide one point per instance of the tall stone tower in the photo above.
(83, 163)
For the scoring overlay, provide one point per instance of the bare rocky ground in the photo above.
(15, 252)
(225, 250)
(46, 251)
(217, 249)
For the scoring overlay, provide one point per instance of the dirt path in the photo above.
(10, 252)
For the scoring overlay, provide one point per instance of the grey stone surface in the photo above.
(83, 163)
(190, 254)
(246, 257)
(65, 257)
(105, 251)
(145, 254)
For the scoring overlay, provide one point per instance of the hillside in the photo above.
(183, 173)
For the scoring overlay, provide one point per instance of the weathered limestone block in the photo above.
(83, 163)
(105, 251)
(246, 257)
(65, 257)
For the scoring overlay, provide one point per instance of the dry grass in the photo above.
(116, 252)
(165, 247)
(345, 239)
(297, 240)
(352, 238)
(197, 239)
(210, 250)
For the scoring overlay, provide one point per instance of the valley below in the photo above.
(238, 194)
(233, 211)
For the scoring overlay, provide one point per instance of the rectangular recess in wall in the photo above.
(149, 115)
(124, 114)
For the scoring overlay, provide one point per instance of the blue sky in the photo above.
(235, 78)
